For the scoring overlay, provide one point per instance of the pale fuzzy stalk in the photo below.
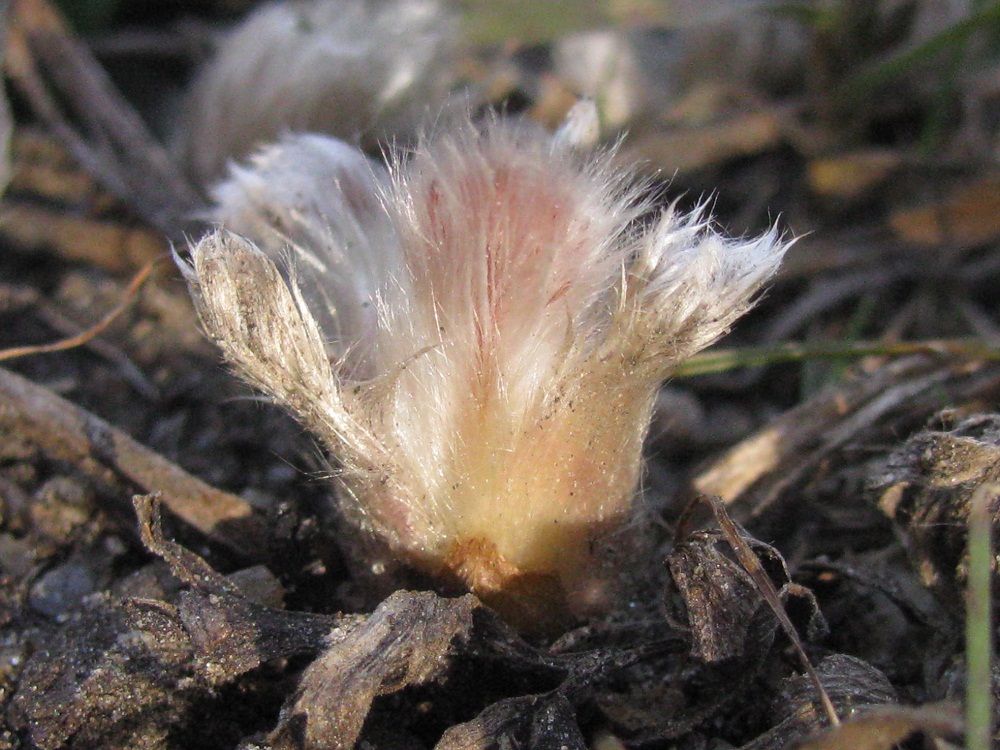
(523, 326)
(266, 331)
(264, 328)
(342, 67)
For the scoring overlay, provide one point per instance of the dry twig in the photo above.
(84, 337)
(102, 130)
(33, 415)
(753, 475)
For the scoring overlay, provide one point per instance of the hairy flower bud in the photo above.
(489, 412)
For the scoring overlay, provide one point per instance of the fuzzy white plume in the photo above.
(343, 67)
(523, 324)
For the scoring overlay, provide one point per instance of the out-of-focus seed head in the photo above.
(488, 412)
(342, 67)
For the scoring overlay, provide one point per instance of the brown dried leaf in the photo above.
(112, 663)
(753, 475)
(724, 597)
(969, 215)
(850, 176)
(851, 684)
(532, 722)
(720, 597)
(110, 245)
(686, 149)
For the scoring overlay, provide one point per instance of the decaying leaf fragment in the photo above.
(883, 727)
(130, 672)
(724, 607)
(124, 673)
(927, 485)
(499, 324)
(534, 722)
(853, 685)
(406, 641)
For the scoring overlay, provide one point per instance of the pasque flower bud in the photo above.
(477, 334)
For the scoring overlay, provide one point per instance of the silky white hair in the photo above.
(477, 334)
